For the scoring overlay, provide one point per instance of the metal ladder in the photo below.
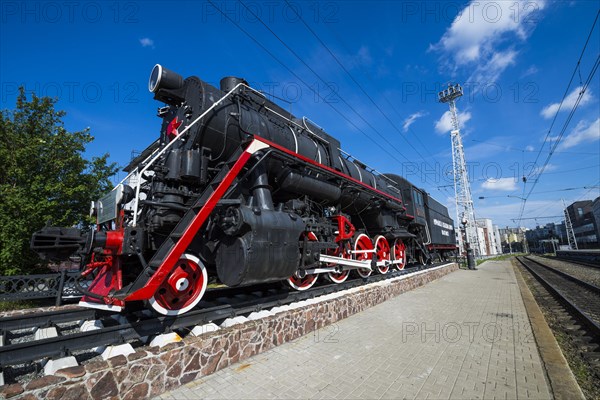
(169, 252)
(569, 226)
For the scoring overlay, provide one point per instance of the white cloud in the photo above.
(491, 70)
(583, 132)
(550, 110)
(529, 148)
(363, 56)
(549, 138)
(411, 119)
(483, 36)
(549, 167)
(505, 184)
(444, 124)
(147, 42)
(530, 71)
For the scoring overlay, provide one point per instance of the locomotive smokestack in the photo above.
(229, 82)
(162, 78)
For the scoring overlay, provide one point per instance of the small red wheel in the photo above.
(344, 251)
(362, 245)
(306, 282)
(183, 289)
(382, 250)
(298, 283)
(400, 254)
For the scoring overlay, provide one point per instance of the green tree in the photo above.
(43, 177)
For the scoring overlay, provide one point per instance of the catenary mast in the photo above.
(465, 212)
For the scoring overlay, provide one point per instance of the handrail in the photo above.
(370, 169)
(187, 128)
(172, 142)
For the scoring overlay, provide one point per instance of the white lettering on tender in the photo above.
(441, 224)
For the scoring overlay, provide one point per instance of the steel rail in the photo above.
(45, 319)
(565, 275)
(557, 293)
(49, 318)
(22, 353)
(574, 261)
(590, 258)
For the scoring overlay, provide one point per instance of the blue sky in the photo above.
(514, 59)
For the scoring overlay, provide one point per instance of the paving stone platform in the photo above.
(466, 335)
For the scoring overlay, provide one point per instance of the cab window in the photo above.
(418, 196)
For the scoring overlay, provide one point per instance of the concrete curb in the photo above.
(562, 381)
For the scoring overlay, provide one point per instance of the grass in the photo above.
(215, 285)
(16, 305)
(500, 257)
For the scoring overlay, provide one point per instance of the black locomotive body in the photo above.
(239, 189)
(435, 237)
(442, 240)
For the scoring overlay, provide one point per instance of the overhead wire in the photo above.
(546, 191)
(509, 148)
(427, 149)
(390, 103)
(577, 65)
(360, 116)
(590, 187)
(563, 130)
(366, 93)
(305, 83)
(570, 116)
(362, 89)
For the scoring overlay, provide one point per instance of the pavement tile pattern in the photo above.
(466, 335)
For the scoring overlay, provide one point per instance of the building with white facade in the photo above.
(489, 243)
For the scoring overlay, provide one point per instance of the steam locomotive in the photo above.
(239, 190)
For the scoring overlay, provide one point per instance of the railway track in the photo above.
(584, 271)
(576, 305)
(21, 350)
(584, 257)
(575, 261)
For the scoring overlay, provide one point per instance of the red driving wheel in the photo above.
(382, 250)
(362, 247)
(307, 281)
(344, 250)
(183, 288)
(400, 254)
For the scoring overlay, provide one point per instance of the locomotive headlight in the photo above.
(162, 78)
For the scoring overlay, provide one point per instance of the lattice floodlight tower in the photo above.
(462, 189)
(569, 227)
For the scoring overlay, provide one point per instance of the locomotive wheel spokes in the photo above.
(400, 253)
(382, 250)
(183, 289)
(344, 251)
(363, 243)
(306, 282)
(298, 283)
